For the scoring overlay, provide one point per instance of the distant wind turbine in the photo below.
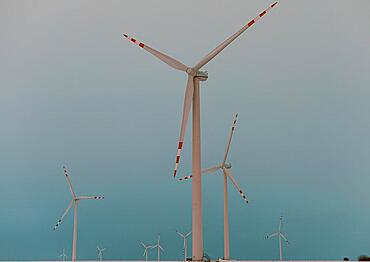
(159, 247)
(63, 255)
(100, 252)
(225, 167)
(184, 236)
(75, 200)
(280, 235)
(146, 250)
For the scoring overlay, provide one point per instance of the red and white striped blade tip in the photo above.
(185, 178)
(179, 148)
(135, 41)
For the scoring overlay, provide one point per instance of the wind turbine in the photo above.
(146, 250)
(75, 200)
(159, 247)
(280, 235)
(63, 255)
(184, 236)
(100, 252)
(192, 97)
(225, 167)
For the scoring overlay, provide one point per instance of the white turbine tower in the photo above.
(280, 235)
(192, 97)
(159, 247)
(63, 255)
(75, 200)
(100, 252)
(146, 250)
(225, 167)
(185, 238)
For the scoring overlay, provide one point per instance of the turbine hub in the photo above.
(227, 165)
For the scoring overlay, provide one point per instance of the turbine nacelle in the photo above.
(227, 165)
(202, 75)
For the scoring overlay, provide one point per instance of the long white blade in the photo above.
(230, 137)
(281, 234)
(272, 235)
(224, 44)
(90, 197)
(180, 234)
(228, 173)
(188, 234)
(69, 182)
(204, 172)
(165, 58)
(64, 214)
(185, 117)
(161, 247)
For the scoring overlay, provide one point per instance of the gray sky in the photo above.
(74, 93)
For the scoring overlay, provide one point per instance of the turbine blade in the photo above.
(69, 182)
(142, 244)
(230, 137)
(185, 117)
(272, 235)
(165, 58)
(188, 234)
(228, 174)
(90, 197)
(281, 234)
(180, 234)
(64, 214)
(224, 44)
(204, 172)
(161, 248)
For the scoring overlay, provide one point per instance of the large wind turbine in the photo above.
(185, 238)
(75, 200)
(225, 167)
(192, 97)
(280, 235)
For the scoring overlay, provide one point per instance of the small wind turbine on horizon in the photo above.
(192, 99)
(280, 235)
(159, 247)
(146, 250)
(75, 200)
(100, 252)
(63, 255)
(184, 236)
(225, 167)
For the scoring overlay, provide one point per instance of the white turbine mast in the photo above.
(192, 98)
(75, 200)
(63, 255)
(280, 236)
(225, 167)
(159, 247)
(100, 252)
(146, 250)
(185, 238)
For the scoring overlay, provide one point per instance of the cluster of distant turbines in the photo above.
(191, 100)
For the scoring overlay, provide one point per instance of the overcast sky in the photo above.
(73, 92)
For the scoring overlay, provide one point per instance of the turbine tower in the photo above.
(159, 247)
(100, 252)
(280, 235)
(192, 97)
(225, 167)
(75, 200)
(63, 255)
(185, 238)
(146, 250)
